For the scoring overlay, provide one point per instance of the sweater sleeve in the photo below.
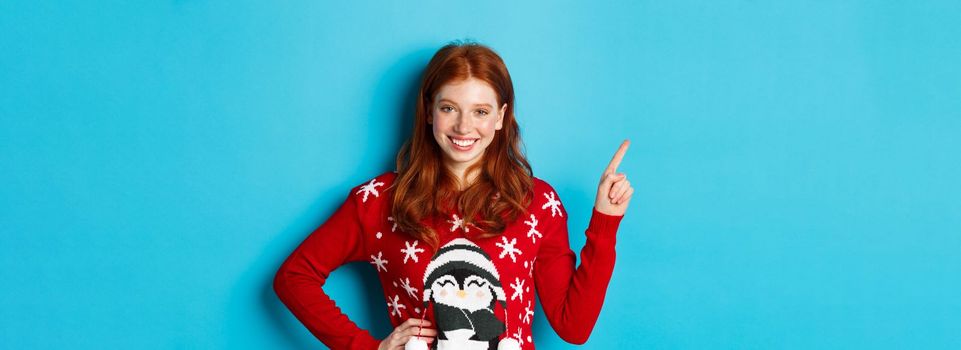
(572, 298)
(300, 279)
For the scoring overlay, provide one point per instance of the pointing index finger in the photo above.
(616, 161)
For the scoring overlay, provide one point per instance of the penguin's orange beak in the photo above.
(461, 293)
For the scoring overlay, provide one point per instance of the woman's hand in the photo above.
(614, 192)
(405, 332)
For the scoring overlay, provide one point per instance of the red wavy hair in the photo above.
(425, 187)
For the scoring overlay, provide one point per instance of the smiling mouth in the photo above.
(462, 142)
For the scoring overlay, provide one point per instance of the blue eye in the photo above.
(483, 112)
(446, 108)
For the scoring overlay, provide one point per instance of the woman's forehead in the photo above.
(467, 92)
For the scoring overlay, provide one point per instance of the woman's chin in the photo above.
(461, 160)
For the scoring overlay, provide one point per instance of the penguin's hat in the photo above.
(462, 254)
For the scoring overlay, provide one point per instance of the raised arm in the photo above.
(572, 297)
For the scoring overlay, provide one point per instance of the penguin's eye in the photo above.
(476, 283)
(446, 282)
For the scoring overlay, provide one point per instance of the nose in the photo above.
(464, 124)
(461, 294)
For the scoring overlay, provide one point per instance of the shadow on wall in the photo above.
(354, 286)
(260, 312)
(392, 111)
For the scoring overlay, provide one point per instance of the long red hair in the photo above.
(425, 187)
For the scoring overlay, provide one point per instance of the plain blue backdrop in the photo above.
(796, 162)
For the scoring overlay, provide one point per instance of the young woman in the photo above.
(462, 235)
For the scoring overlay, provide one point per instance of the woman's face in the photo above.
(465, 117)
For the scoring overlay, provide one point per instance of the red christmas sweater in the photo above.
(474, 291)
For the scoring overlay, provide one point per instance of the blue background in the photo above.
(796, 163)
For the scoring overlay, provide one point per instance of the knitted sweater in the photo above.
(478, 291)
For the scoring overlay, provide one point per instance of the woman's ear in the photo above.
(500, 118)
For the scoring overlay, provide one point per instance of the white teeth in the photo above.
(463, 143)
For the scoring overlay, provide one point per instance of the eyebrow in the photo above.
(476, 104)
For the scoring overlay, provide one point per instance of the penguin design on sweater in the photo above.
(464, 287)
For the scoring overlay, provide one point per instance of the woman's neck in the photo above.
(463, 178)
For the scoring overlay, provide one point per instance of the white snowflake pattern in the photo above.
(379, 261)
(508, 248)
(411, 251)
(518, 287)
(405, 283)
(395, 305)
(530, 272)
(393, 226)
(528, 313)
(553, 203)
(519, 336)
(457, 223)
(533, 233)
(370, 188)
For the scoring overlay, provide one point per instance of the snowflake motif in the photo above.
(369, 188)
(553, 203)
(518, 287)
(533, 233)
(411, 251)
(395, 306)
(519, 336)
(405, 283)
(379, 261)
(457, 223)
(528, 313)
(508, 248)
(394, 226)
(531, 271)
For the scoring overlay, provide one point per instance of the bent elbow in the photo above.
(280, 284)
(576, 335)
